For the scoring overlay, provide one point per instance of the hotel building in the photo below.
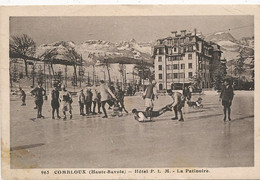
(182, 58)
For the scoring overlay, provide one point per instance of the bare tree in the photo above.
(22, 47)
(75, 58)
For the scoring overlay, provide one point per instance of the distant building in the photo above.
(184, 58)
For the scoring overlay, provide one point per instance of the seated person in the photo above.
(142, 116)
(199, 102)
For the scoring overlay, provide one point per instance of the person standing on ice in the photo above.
(105, 93)
(226, 95)
(55, 101)
(39, 92)
(23, 96)
(178, 103)
(81, 100)
(149, 95)
(66, 102)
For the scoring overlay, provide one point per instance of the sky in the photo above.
(46, 30)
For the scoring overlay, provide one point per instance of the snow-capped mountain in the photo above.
(92, 50)
(233, 49)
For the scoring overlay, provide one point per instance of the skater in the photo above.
(105, 92)
(66, 102)
(178, 103)
(23, 96)
(81, 100)
(226, 95)
(55, 101)
(142, 116)
(96, 100)
(88, 101)
(39, 92)
(119, 93)
(112, 88)
(186, 93)
(149, 95)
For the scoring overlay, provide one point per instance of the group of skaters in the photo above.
(99, 96)
(88, 100)
(179, 99)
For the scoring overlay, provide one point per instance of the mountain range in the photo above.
(132, 51)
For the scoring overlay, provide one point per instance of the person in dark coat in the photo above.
(55, 101)
(186, 93)
(88, 101)
(23, 96)
(39, 92)
(226, 95)
(119, 93)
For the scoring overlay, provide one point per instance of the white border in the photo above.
(115, 2)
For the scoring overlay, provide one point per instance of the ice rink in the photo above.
(202, 140)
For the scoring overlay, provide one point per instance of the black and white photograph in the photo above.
(136, 92)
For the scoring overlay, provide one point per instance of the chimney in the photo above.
(183, 32)
(174, 33)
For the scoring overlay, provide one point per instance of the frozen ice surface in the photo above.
(202, 140)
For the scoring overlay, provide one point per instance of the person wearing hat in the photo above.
(226, 95)
(66, 102)
(149, 95)
(39, 92)
(55, 101)
(81, 100)
(178, 103)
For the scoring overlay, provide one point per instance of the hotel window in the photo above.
(160, 59)
(175, 41)
(189, 56)
(190, 65)
(182, 66)
(190, 74)
(175, 49)
(168, 76)
(182, 75)
(190, 48)
(160, 67)
(175, 75)
(160, 76)
(176, 66)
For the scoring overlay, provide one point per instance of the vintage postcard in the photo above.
(130, 92)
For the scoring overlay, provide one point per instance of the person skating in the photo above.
(105, 93)
(81, 100)
(149, 95)
(96, 100)
(226, 95)
(88, 101)
(186, 93)
(119, 93)
(178, 103)
(23, 96)
(39, 92)
(66, 102)
(55, 101)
